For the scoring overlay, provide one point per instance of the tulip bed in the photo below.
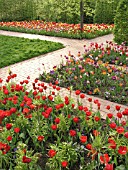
(39, 131)
(14, 49)
(58, 29)
(112, 53)
(91, 75)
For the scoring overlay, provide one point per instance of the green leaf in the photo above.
(121, 167)
(22, 135)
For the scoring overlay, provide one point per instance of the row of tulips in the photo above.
(94, 72)
(58, 29)
(39, 131)
(112, 53)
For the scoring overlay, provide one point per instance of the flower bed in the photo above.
(90, 76)
(45, 132)
(112, 53)
(58, 29)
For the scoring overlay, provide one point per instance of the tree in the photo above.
(65, 10)
(105, 11)
(89, 9)
(17, 10)
(81, 15)
(121, 22)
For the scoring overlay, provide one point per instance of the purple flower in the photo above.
(113, 77)
(52, 72)
(117, 58)
(113, 61)
(73, 69)
(15, 149)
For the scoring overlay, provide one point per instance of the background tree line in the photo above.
(95, 11)
(99, 11)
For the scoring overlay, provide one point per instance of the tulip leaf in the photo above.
(121, 167)
(22, 135)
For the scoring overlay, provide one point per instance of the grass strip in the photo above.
(14, 49)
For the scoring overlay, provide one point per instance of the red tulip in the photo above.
(53, 127)
(82, 96)
(122, 150)
(40, 138)
(76, 119)
(120, 130)
(51, 153)
(112, 125)
(73, 105)
(109, 167)
(88, 113)
(50, 97)
(77, 92)
(104, 158)
(72, 133)
(110, 115)
(26, 159)
(43, 97)
(83, 139)
(112, 143)
(89, 146)
(13, 110)
(96, 118)
(64, 164)
(80, 107)
(126, 134)
(26, 110)
(9, 138)
(90, 99)
(123, 123)
(8, 126)
(108, 107)
(119, 115)
(125, 112)
(6, 92)
(117, 107)
(1, 80)
(16, 130)
(57, 120)
(35, 93)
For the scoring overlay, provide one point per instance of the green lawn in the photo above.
(14, 49)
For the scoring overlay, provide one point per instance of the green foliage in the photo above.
(15, 49)
(65, 151)
(121, 23)
(65, 10)
(51, 10)
(59, 10)
(89, 9)
(17, 10)
(105, 11)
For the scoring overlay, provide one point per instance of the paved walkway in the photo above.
(33, 67)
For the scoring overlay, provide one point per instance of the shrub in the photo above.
(105, 11)
(15, 10)
(121, 23)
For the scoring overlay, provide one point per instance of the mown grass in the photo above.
(14, 49)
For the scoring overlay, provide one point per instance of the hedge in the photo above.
(121, 23)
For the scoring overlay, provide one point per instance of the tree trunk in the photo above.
(81, 15)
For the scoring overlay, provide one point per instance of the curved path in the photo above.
(33, 67)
